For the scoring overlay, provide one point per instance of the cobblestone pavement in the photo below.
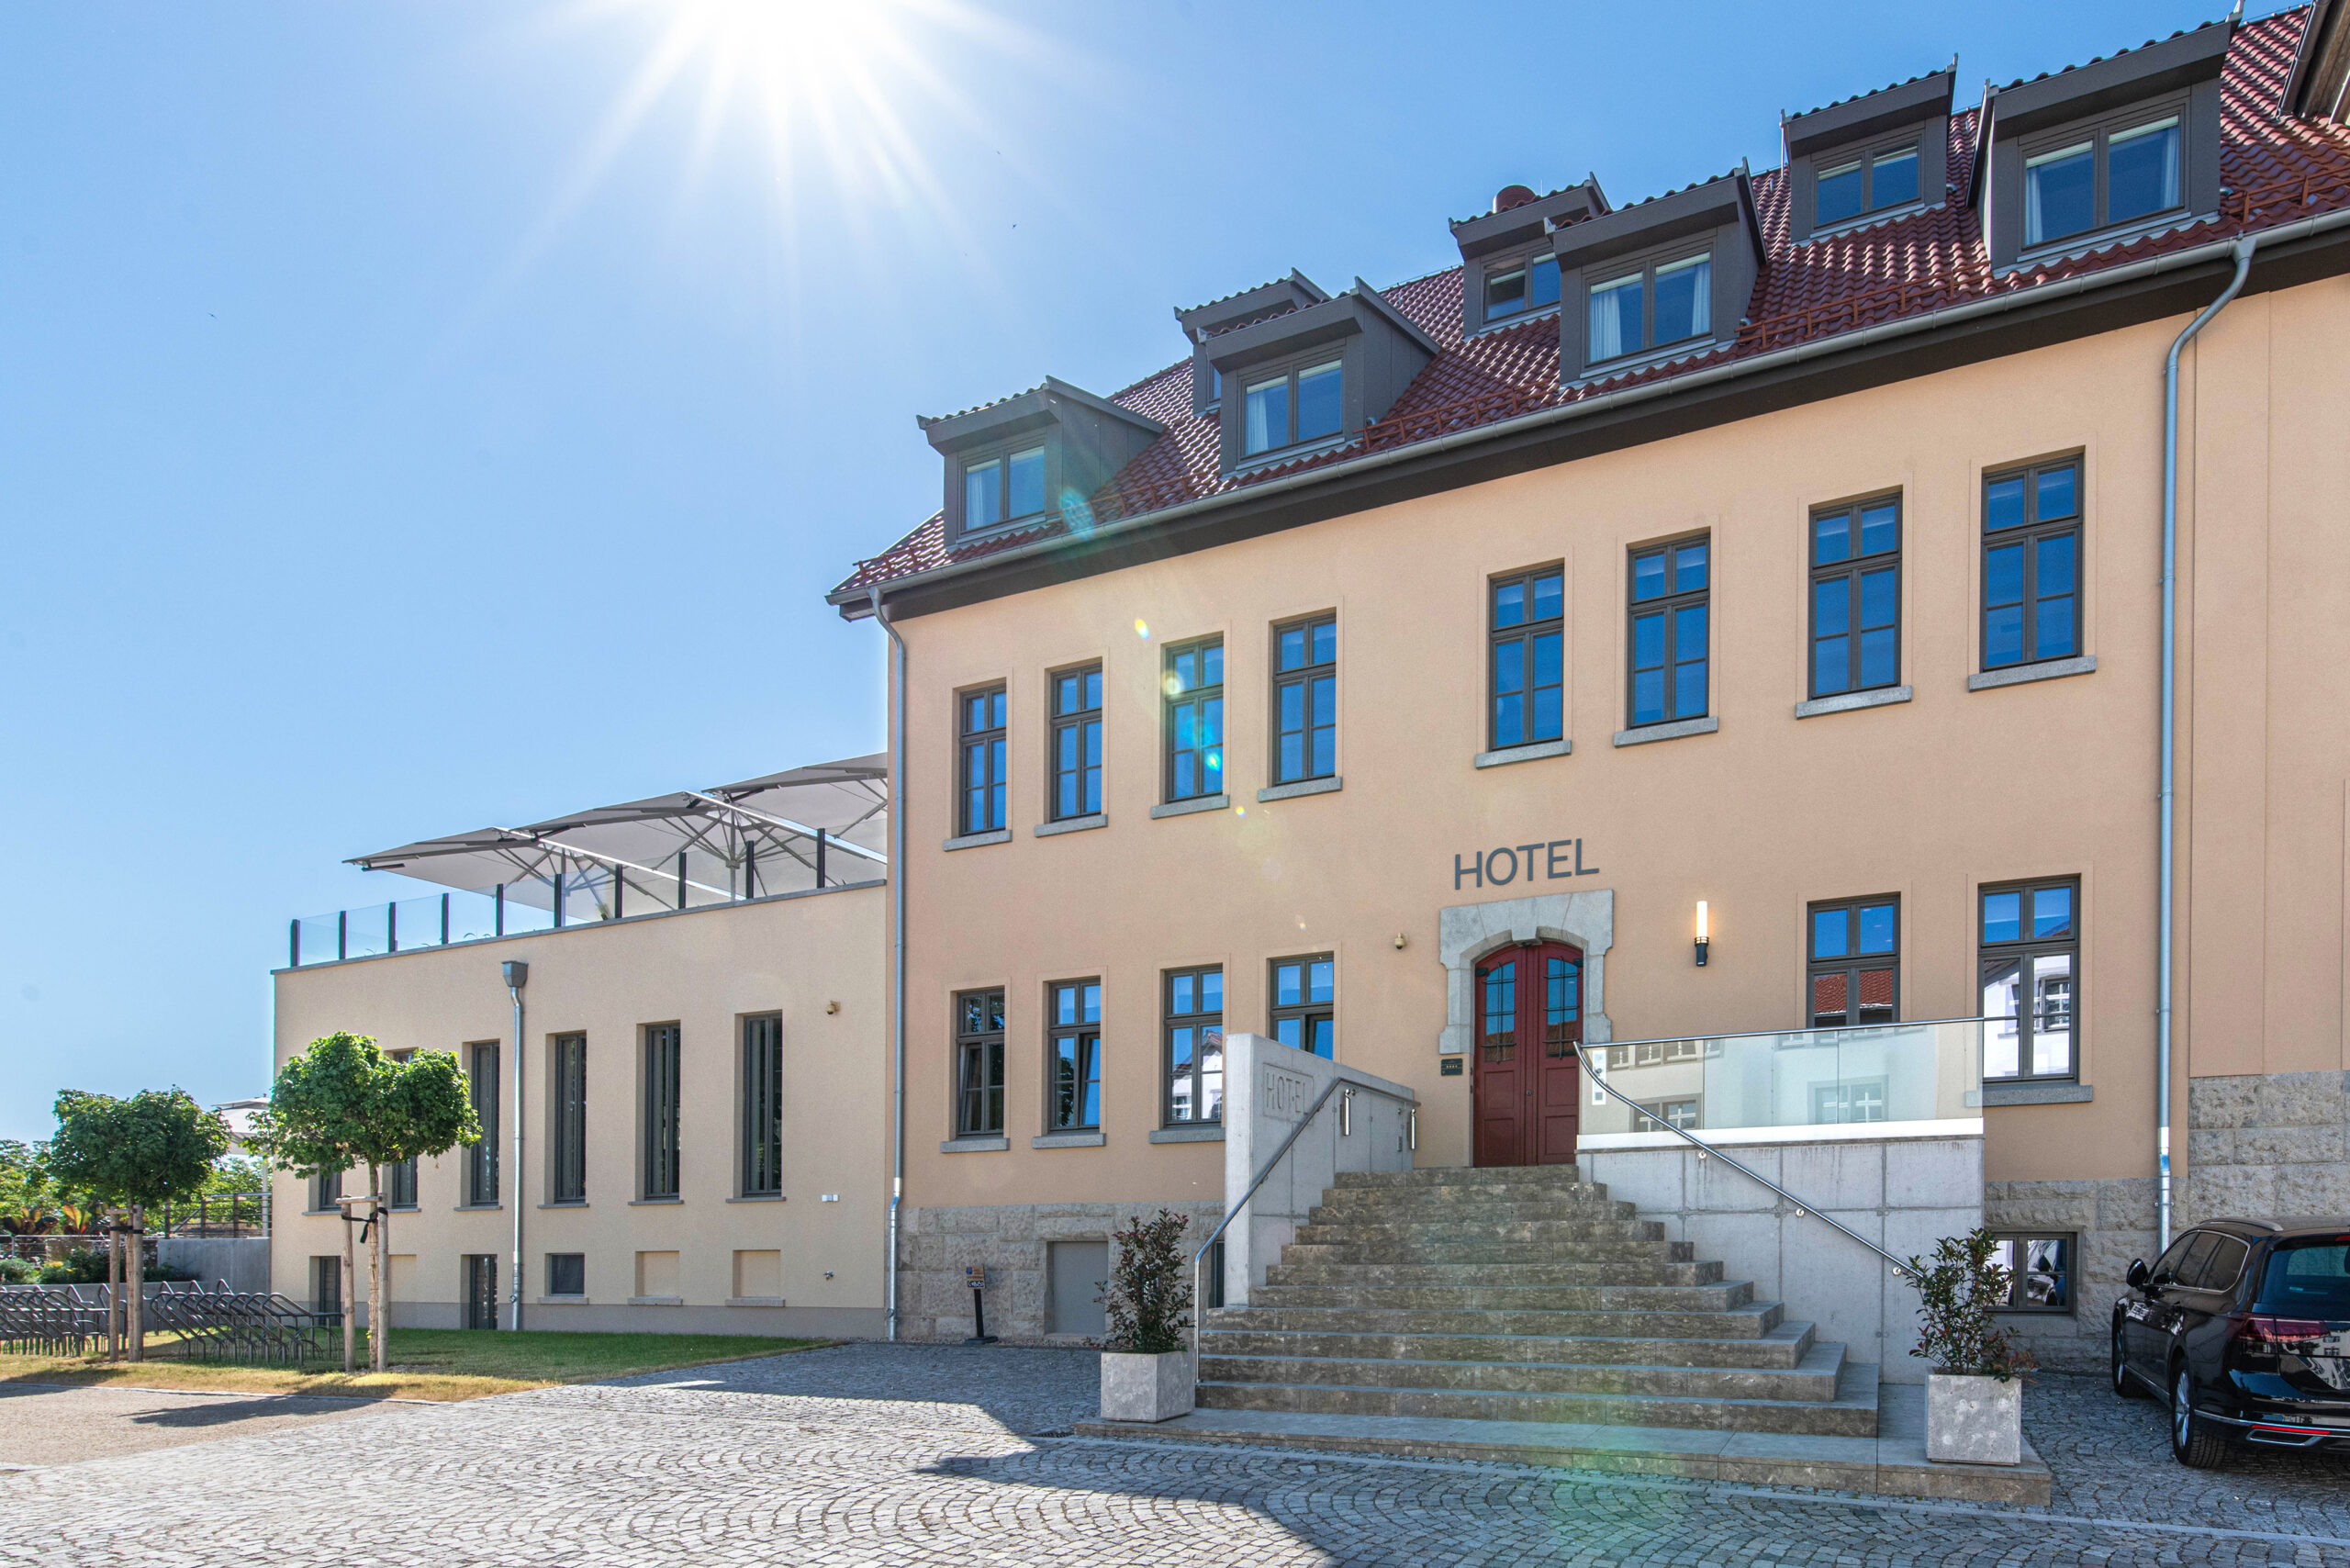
(48, 1423)
(879, 1454)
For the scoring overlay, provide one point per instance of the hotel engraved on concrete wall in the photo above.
(1699, 665)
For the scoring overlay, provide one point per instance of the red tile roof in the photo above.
(2274, 169)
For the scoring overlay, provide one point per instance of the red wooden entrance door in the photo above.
(1527, 1077)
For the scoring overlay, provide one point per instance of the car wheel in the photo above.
(2192, 1441)
(2124, 1385)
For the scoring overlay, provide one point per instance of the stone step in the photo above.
(1781, 1350)
(1742, 1321)
(1348, 1276)
(1813, 1378)
(1467, 1176)
(1852, 1414)
(1405, 1249)
(1382, 1208)
(1578, 1235)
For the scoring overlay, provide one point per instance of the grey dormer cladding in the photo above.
(1871, 122)
(1381, 350)
(1086, 440)
(1202, 323)
(1718, 213)
(2183, 70)
(1513, 234)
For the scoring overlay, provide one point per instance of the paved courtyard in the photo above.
(881, 1454)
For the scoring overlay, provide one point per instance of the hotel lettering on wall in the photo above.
(1511, 863)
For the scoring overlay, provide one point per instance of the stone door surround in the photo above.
(1467, 932)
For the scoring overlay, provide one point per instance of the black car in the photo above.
(2244, 1326)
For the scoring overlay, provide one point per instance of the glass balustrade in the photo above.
(1798, 1077)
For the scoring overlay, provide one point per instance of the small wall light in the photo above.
(1400, 939)
(832, 1007)
(1702, 937)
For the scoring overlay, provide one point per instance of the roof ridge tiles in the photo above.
(980, 407)
(2101, 59)
(1871, 92)
(1732, 172)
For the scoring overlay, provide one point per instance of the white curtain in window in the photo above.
(1611, 333)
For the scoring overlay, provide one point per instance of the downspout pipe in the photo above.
(897, 955)
(517, 975)
(2166, 898)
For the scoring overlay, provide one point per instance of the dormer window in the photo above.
(2131, 172)
(1302, 406)
(1667, 277)
(1003, 488)
(1622, 322)
(1866, 184)
(1529, 284)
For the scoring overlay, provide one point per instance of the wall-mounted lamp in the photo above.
(1702, 937)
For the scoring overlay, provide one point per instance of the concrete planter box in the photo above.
(1972, 1420)
(1146, 1388)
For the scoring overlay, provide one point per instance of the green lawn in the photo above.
(427, 1363)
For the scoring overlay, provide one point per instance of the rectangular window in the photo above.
(1305, 699)
(1196, 720)
(566, 1273)
(2031, 961)
(663, 1065)
(1304, 1012)
(2039, 1270)
(1299, 406)
(979, 1063)
(2031, 557)
(568, 1159)
(982, 758)
(1868, 183)
(326, 1289)
(1512, 288)
(1685, 295)
(399, 1186)
(1077, 743)
(1665, 302)
(1003, 489)
(762, 1106)
(325, 1190)
(1669, 608)
(1855, 968)
(1615, 315)
(1526, 664)
(1073, 1055)
(1856, 596)
(2112, 174)
(1194, 1045)
(481, 1159)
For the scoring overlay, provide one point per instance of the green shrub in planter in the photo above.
(1148, 1302)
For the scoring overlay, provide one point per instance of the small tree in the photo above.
(1148, 1301)
(1957, 1293)
(153, 1148)
(343, 1103)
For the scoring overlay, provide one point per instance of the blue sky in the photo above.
(411, 420)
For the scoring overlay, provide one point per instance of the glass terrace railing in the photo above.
(1797, 1078)
(403, 924)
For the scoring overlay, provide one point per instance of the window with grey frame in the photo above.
(981, 764)
(326, 1289)
(1527, 662)
(1292, 407)
(762, 1159)
(481, 1159)
(566, 1273)
(1847, 184)
(400, 1178)
(1856, 596)
(1195, 733)
(2121, 169)
(1073, 1055)
(326, 1189)
(2040, 1268)
(979, 1063)
(1854, 973)
(2032, 564)
(2031, 956)
(1521, 287)
(1076, 743)
(1305, 699)
(567, 1108)
(1005, 487)
(1669, 635)
(1193, 1001)
(664, 1067)
(1304, 1010)
(1654, 305)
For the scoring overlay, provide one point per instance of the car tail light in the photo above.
(2259, 1338)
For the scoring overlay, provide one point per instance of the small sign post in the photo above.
(976, 1276)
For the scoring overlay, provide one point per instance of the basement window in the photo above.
(2039, 1270)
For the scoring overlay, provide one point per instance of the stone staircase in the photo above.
(1521, 1295)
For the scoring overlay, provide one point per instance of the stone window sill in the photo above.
(475, 1208)
(656, 1301)
(757, 1198)
(2021, 674)
(1072, 824)
(1186, 807)
(568, 1203)
(975, 1145)
(565, 1301)
(974, 840)
(1302, 787)
(754, 1301)
(1535, 753)
(1067, 1141)
(1203, 1133)
(2037, 1094)
(1847, 702)
(640, 1202)
(1667, 731)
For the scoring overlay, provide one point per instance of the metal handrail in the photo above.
(1707, 1150)
(1232, 1211)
